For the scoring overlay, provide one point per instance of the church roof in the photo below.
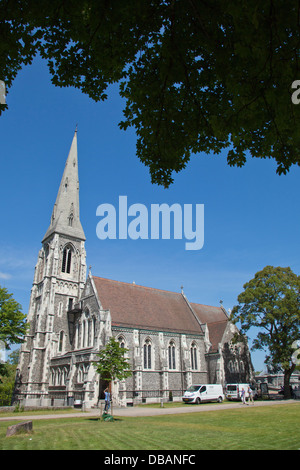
(216, 320)
(137, 306)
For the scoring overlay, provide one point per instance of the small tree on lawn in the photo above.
(112, 364)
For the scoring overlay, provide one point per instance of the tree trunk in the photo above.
(287, 376)
(111, 403)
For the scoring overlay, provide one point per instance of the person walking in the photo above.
(250, 396)
(107, 400)
(243, 396)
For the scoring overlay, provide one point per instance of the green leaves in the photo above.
(271, 302)
(112, 364)
(12, 321)
(195, 78)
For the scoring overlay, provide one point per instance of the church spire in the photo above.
(65, 216)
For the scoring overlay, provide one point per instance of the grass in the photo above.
(168, 404)
(7, 414)
(249, 428)
(179, 404)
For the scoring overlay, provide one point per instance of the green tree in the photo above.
(7, 383)
(196, 76)
(13, 357)
(13, 325)
(112, 364)
(271, 302)
(7, 380)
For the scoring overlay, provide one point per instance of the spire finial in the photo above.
(76, 128)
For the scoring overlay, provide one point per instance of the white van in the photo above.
(233, 391)
(203, 392)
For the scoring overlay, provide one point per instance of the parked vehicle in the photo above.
(233, 391)
(203, 393)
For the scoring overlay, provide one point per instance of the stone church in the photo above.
(172, 342)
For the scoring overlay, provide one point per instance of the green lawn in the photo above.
(42, 411)
(272, 427)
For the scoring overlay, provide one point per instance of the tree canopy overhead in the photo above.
(196, 75)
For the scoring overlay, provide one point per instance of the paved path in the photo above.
(145, 411)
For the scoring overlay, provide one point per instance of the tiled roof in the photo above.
(142, 307)
(208, 314)
(145, 307)
(216, 320)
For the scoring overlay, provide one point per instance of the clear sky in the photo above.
(251, 214)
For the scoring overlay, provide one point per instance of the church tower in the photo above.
(59, 279)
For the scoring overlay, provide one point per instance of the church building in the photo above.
(172, 342)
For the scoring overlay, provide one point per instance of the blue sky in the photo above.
(251, 214)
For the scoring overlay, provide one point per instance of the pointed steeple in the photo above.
(65, 216)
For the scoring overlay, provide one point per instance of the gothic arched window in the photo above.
(171, 353)
(89, 332)
(147, 354)
(66, 260)
(61, 341)
(64, 376)
(80, 374)
(78, 334)
(194, 363)
(71, 215)
(58, 377)
(121, 341)
(83, 333)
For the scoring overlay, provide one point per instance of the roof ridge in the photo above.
(192, 311)
(205, 305)
(155, 328)
(219, 321)
(136, 285)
